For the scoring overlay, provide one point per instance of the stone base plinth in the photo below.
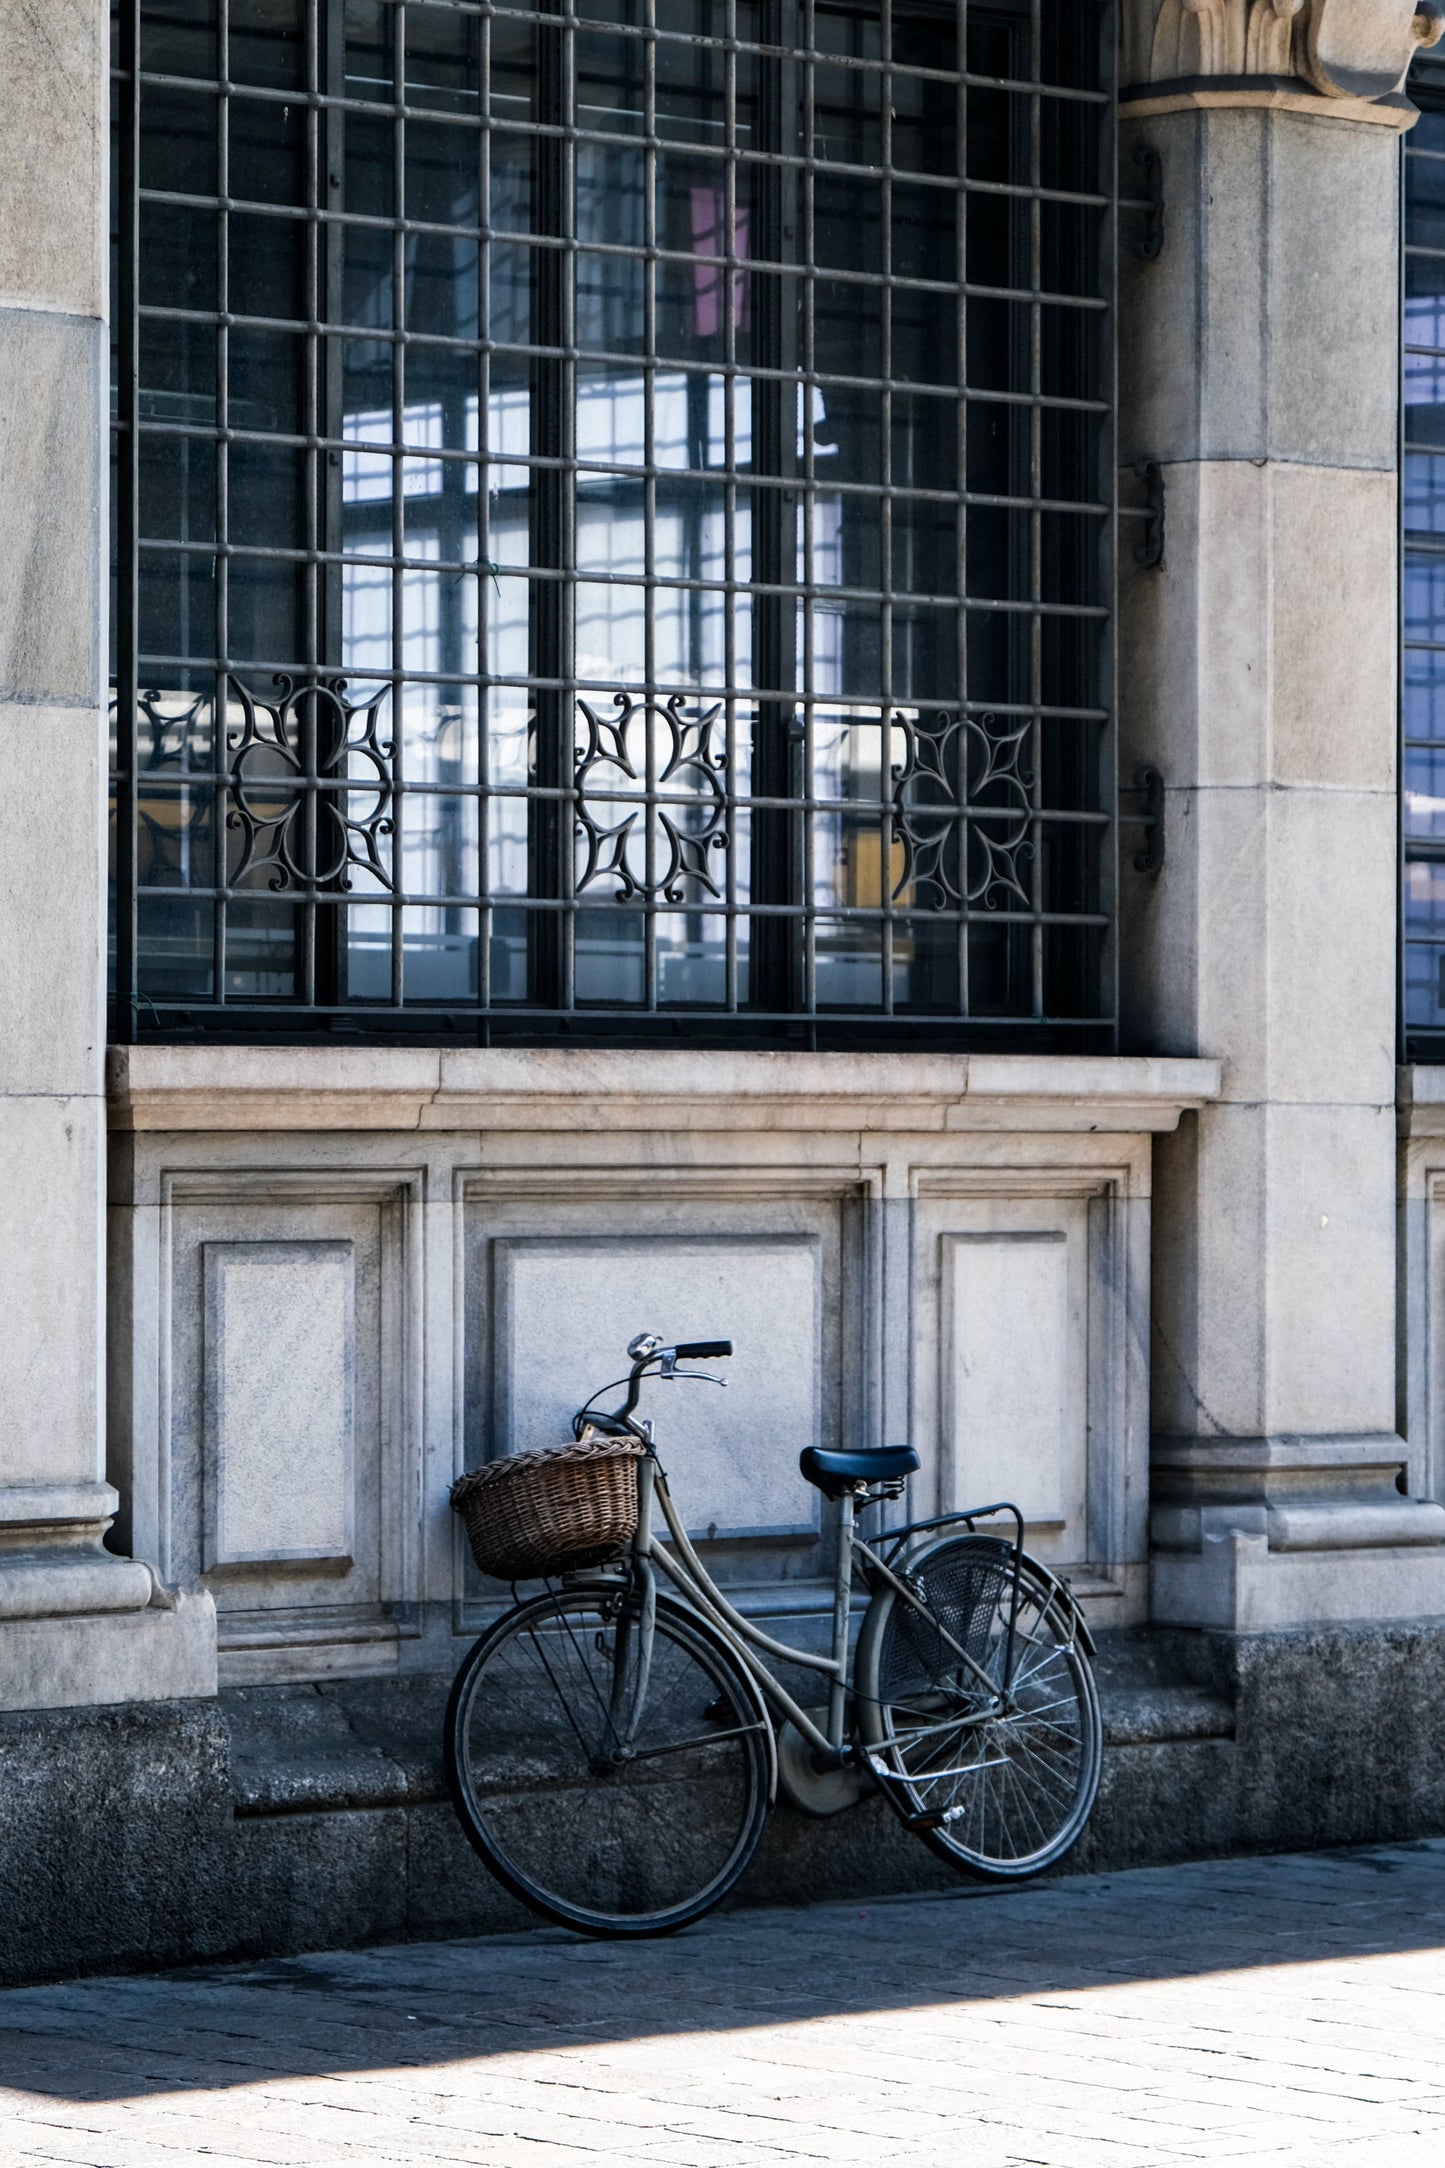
(278, 1819)
(87, 1661)
(1237, 1583)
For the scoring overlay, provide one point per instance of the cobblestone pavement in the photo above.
(1287, 2010)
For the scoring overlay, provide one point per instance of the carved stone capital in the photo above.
(1342, 59)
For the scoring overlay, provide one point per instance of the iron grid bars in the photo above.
(614, 518)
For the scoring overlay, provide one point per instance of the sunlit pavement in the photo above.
(1288, 2009)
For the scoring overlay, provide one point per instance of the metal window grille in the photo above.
(614, 519)
(1422, 495)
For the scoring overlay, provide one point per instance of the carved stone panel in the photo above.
(280, 1354)
(731, 1454)
(555, 1285)
(1014, 1367)
(1003, 1355)
(1012, 1371)
(285, 1446)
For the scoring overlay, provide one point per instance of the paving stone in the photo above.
(1281, 2010)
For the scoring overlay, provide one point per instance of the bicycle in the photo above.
(611, 1744)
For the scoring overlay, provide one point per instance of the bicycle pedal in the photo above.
(935, 1818)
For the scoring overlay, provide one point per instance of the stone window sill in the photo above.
(367, 1088)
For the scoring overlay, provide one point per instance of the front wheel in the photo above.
(997, 1773)
(615, 1780)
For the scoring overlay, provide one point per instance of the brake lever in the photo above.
(673, 1375)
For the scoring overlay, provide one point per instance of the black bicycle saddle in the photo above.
(833, 1472)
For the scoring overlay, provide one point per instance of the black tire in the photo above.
(614, 1847)
(1000, 1796)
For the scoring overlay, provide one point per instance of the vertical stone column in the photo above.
(76, 1624)
(1258, 674)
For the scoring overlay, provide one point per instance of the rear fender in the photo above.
(865, 1670)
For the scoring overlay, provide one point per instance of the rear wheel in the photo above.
(608, 1804)
(996, 1773)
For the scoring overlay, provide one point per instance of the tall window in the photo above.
(613, 525)
(1423, 513)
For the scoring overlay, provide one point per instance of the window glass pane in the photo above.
(268, 42)
(178, 140)
(369, 34)
(443, 58)
(178, 257)
(268, 379)
(268, 266)
(177, 371)
(267, 151)
(370, 167)
(442, 173)
(178, 37)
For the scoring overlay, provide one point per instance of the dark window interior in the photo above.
(613, 520)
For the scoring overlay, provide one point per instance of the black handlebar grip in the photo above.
(697, 1349)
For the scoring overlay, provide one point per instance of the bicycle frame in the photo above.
(685, 1570)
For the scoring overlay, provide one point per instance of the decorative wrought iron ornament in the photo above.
(651, 750)
(310, 787)
(964, 811)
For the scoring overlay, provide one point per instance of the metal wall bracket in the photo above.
(1151, 550)
(1148, 786)
(1149, 240)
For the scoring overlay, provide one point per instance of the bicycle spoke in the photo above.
(1041, 1834)
(563, 1702)
(702, 1739)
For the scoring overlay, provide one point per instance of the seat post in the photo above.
(842, 1602)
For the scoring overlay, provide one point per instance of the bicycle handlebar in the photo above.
(647, 1350)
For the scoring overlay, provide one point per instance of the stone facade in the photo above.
(230, 1590)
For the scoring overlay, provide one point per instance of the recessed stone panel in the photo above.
(566, 1309)
(280, 1444)
(1008, 1370)
(287, 1395)
(1010, 1408)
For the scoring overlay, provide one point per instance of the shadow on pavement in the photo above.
(430, 2004)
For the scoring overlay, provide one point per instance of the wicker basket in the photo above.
(539, 1513)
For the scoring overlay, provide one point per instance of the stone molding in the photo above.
(53, 1563)
(1335, 59)
(76, 1515)
(214, 1088)
(1254, 1534)
(1420, 1100)
(1300, 1493)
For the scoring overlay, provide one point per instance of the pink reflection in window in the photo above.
(709, 239)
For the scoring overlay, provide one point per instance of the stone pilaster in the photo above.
(1258, 669)
(76, 1623)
